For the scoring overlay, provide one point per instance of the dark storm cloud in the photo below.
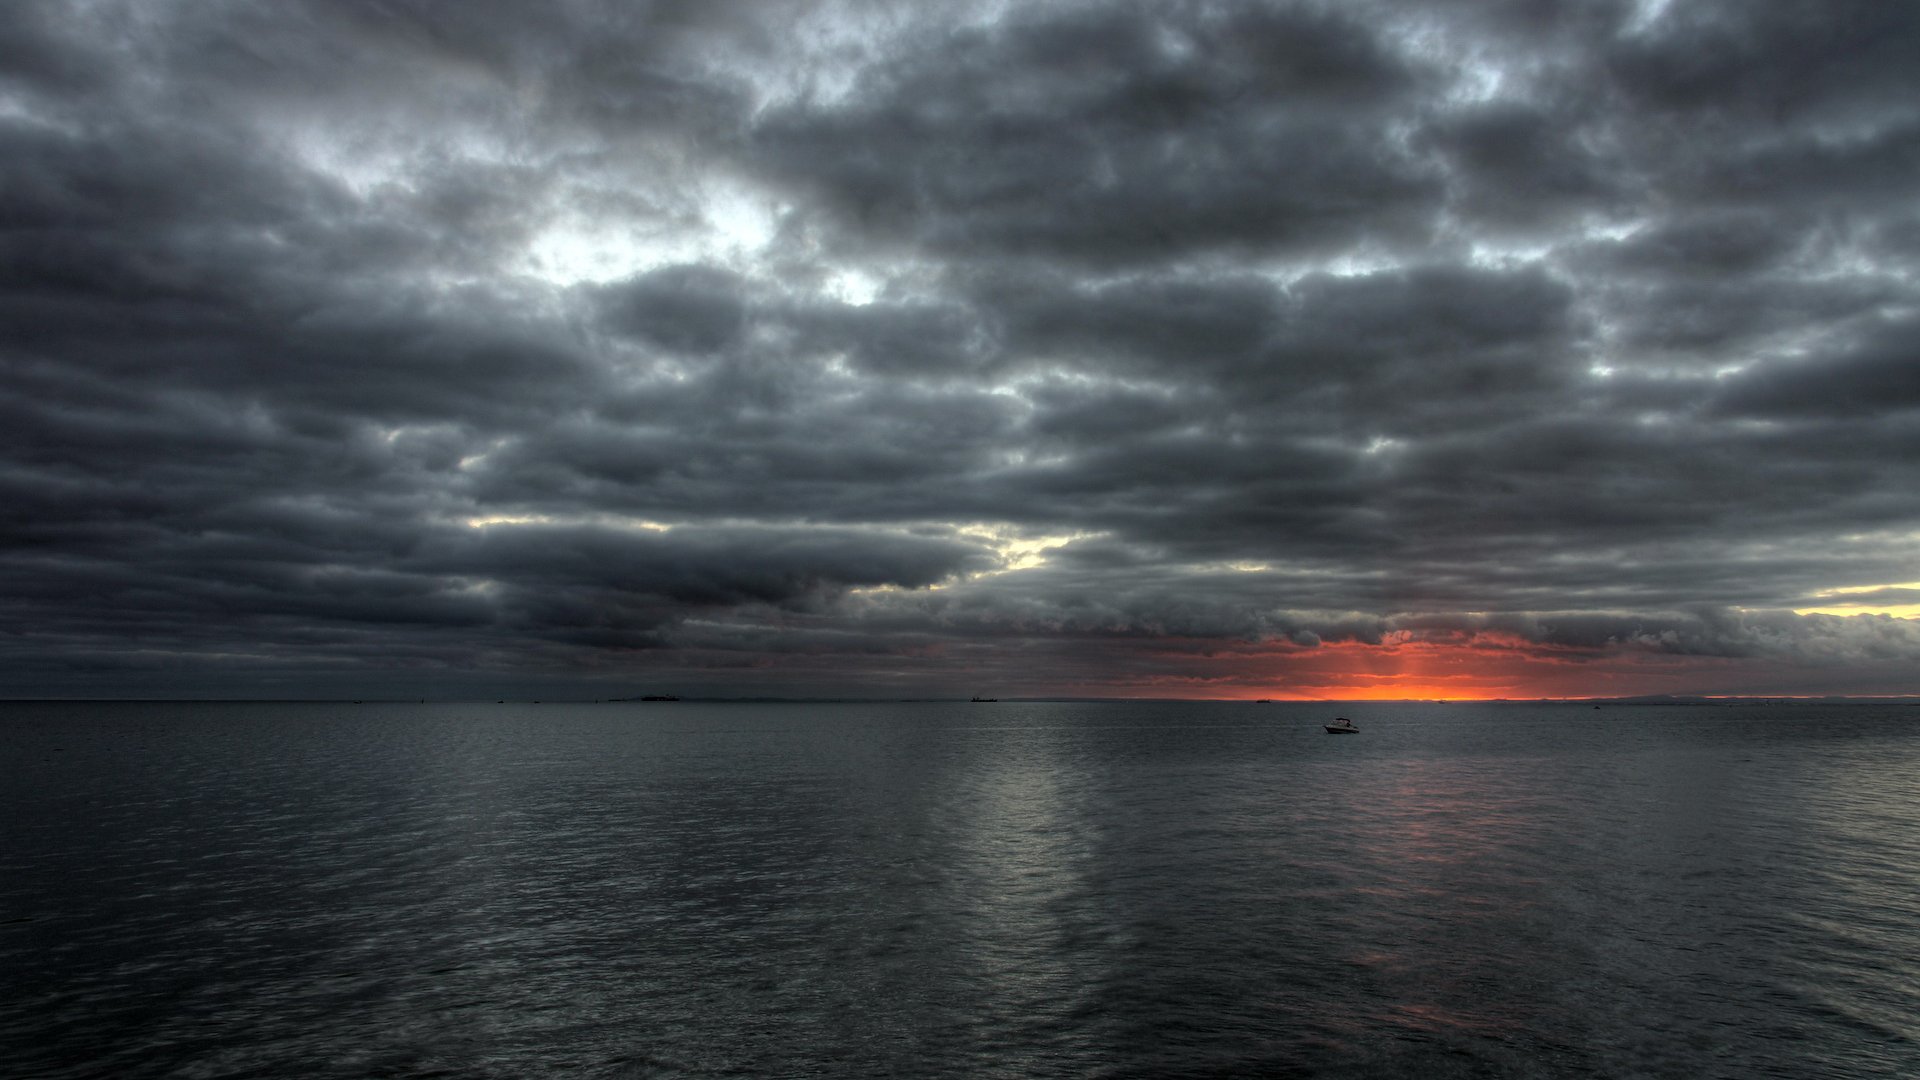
(1073, 345)
(1879, 373)
(693, 309)
(1789, 61)
(1522, 164)
(1115, 135)
(717, 565)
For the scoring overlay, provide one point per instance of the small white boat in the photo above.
(1342, 726)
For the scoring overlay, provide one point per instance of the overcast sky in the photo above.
(1170, 349)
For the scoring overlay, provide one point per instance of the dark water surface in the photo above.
(925, 890)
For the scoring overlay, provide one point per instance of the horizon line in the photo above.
(1632, 699)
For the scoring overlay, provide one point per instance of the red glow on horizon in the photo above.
(1451, 667)
(1404, 668)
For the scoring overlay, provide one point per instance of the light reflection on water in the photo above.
(958, 890)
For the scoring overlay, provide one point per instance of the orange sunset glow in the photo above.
(1476, 667)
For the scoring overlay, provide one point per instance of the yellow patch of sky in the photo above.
(882, 590)
(1840, 605)
(1018, 552)
(615, 521)
(1229, 566)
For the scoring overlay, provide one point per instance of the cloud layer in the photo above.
(1194, 348)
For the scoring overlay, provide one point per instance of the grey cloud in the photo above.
(1710, 244)
(1190, 323)
(1580, 331)
(1679, 316)
(1378, 347)
(1816, 640)
(1524, 165)
(1146, 134)
(716, 565)
(682, 308)
(1450, 333)
(932, 339)
(1787, 62)
(1877, 375)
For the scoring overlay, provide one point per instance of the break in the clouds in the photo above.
(1212, 349)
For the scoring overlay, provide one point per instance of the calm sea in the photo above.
(963, 890)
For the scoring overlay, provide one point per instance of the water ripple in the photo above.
(235, 891)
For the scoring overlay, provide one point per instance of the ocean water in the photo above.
(958, 890)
